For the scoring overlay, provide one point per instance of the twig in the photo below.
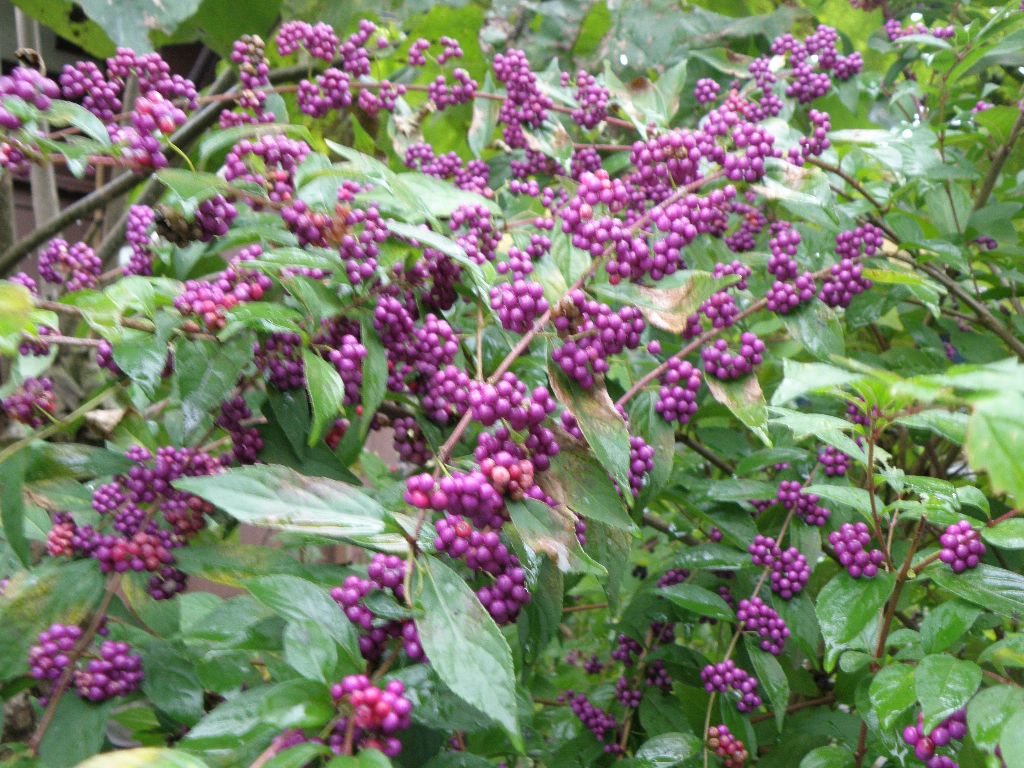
(582, 608)
(998, 161)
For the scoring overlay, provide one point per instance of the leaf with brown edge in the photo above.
(577, 481)
(669, 308)
(746, 401)
(548, 532)
(601, 425)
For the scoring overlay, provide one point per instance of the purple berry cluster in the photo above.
(784, 298)
(726, 676)
(524, 104)
(591, 332)
(386, 573)
(757, 617)
(953, 728)
(518, 304)
(789, 571)
(706, 91)
(591, 99)
(835, 462)
(33, 403)
(112, 670)
(51, 654)
(962, 547)
(723, 364)
(851, 543)
(594, 719)
(115, 671)
(673, 576)
(641, 461)
(377, 713)
(677, 396)
(73, 266)
(791, 496)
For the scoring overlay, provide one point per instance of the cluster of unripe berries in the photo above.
(727, 747)
(109, 670)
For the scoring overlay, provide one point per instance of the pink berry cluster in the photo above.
(99, 674)
(377, 714)
(725, 677)
(851, 543)
(706, 91)
(727, 747)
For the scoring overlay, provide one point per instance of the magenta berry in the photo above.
(51, 654)
(759, 618)
(851, 543)
(962, 547)
(725, 677)
(73, 266)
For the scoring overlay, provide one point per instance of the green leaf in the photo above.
(58, 15)
(77, 732)
(273, 496)
(311, 652)
(769, 673)
(601, 425)
(944, 684)
(15, 310)
(668, 750)
(994, 589)
(485, 118)
(142, 355)
(546, 531)
(144, 757)
(1009, 534)
(828, 757)
(1011, 743)
(802, 378)
(205, 373)
(846, 606)
(171, 682)
(129, 23)
(701, 601)
(746, 401)
(69, 113)
(818, 329)
(300, 601)
(990, 710)
(12, 506)
(261, 713)
(855, 498)
(995, 441)
(712, 556)
(326, 393)
(610, 547)
(892, 693)
(951, 425)
(192, 187)
(465, 647)
(945, 624)
(580, 483)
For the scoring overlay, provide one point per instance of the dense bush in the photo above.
(563, 296)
